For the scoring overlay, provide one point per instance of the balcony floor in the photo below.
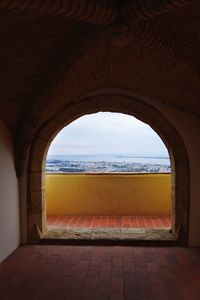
(110, 221)
(115, 228)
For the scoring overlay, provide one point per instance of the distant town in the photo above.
(59, 166)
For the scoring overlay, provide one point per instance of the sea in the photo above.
(112, 158)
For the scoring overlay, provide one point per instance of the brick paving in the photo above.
(101, 273)
(110, 221)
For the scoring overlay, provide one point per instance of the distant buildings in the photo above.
(57, 166)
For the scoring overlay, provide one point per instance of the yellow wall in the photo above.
(108, 194)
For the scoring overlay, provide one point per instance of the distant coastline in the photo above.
(106, 164)
(135, 156)
(112, 158)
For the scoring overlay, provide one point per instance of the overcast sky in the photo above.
(108, 133)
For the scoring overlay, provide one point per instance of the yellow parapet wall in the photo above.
(108, 194)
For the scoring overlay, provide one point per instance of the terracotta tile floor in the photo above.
(110, 221)
(100, 273)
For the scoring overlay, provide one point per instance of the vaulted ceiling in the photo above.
(54, 52)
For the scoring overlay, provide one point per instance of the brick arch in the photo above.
(113, 103)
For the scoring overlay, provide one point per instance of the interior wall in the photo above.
(189, 128)
(9, 197)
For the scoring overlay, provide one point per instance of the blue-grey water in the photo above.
(111, 158)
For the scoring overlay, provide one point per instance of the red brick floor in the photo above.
(110, 221)
(100, 273)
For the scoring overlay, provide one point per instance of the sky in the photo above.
(107, 133)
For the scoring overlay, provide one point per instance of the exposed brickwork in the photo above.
(75, 42)
(146, 9)
(99, 12)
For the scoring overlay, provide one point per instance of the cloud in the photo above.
(108, 133)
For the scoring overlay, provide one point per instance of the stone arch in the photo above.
(113, 103)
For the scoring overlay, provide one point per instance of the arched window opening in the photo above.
(113, 101)
(108, 175)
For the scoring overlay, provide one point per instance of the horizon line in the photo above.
(116, 155)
